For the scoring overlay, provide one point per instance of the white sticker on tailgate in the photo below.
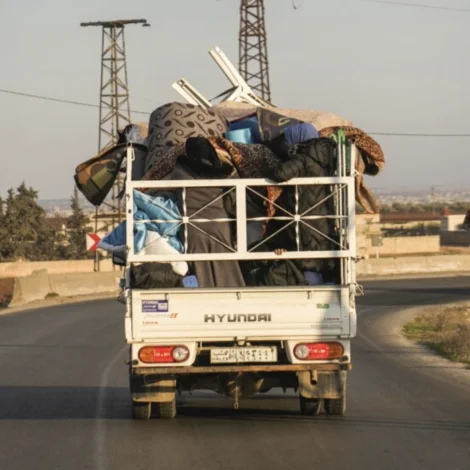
(236, 355)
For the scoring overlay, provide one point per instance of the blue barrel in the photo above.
(241, 136)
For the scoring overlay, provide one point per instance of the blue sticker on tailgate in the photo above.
(154, 306)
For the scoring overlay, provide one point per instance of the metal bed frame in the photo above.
(342, 192)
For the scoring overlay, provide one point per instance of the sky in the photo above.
(385, 67)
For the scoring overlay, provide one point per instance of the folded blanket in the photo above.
(370, 161)
(370, 149)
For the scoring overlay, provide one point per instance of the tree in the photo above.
(58, 226)
(399, 207)
(3, 230)
(77, 230)
(7, 227)
(24, 233)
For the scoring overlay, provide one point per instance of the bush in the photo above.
(446, 331)
(458, 344)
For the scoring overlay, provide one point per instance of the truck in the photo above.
(244, 341)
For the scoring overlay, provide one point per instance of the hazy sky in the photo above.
(386, 68)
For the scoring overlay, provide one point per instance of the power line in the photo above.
(90, 105)
(389, 2)
(58, 100)
(295, 6)
(402, 134)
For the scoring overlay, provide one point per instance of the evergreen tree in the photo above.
(9, 228)
(77, 230)
(24, 232)
(36, 239)
(3, 229)
(61, 242)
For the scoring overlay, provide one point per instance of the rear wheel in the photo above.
(337, 406)
(310, 406)
(141, 410)
(165, 410)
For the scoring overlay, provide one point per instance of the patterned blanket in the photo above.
(173, 123)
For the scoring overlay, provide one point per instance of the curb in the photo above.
(56, 302)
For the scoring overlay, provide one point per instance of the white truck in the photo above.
(242, 341)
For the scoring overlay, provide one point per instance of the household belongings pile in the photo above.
(185, 141)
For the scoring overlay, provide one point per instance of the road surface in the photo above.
(64, 402)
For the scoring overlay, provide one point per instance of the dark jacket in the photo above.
(271, 273)
(202, 162)
(315, 158)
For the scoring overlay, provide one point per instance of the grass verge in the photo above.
(445, 330)
(51, 295)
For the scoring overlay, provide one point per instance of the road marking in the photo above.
(100, 428)
(361, 310)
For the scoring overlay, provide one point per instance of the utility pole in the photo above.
(115, 111)
(253, 49)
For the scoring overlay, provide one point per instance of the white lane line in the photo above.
(100, 428)
(360, 310)
(369, 341)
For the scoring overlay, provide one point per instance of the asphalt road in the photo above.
(64, 402)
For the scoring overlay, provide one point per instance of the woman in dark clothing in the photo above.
(201, 161)
(314, 158)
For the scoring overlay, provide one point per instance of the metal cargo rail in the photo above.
(342, 193)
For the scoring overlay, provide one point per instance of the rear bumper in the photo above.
(186, 370)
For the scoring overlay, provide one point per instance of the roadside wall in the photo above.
(396, 246)
(26, 268)
(409, 245)
(41, 285)
(414, 265)
(369, 232)
(455, 238)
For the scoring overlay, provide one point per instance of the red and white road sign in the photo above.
(92, 240)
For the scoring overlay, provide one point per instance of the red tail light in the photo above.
(313, 351)
(163, 354)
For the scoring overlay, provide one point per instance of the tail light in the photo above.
(163, 354)
(313, 351)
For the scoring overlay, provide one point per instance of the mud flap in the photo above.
(322, 385)
(156, 391)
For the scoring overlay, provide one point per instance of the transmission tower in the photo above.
(253, 49)
(115, 111)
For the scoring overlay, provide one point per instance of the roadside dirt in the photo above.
(443, 329)
(6, 290)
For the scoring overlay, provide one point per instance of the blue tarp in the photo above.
(147, 208)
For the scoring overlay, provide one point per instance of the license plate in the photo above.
(236, 355)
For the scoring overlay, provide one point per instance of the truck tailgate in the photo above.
(252, 313)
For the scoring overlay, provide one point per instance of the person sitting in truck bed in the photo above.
(313, 158)
(201, 161)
